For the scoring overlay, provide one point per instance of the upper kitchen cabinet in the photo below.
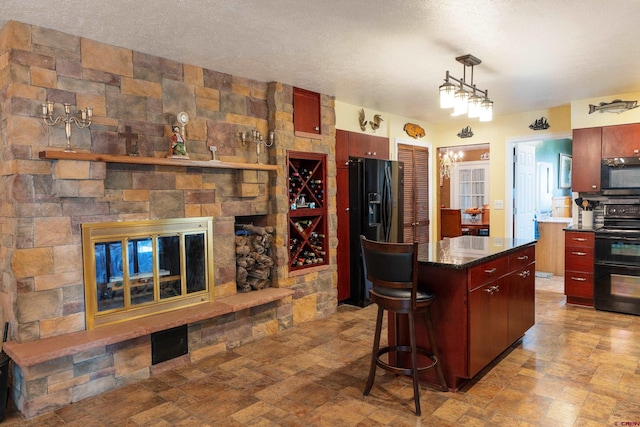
(587, 154)
(621, 141)
(359, 145)
(306, 113)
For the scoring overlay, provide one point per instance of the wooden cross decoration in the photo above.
(130, 140)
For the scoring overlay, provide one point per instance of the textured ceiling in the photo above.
(389, 56)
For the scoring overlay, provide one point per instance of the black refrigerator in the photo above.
(376, 202)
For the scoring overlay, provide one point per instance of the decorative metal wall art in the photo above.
(465, 132)
(616, 106)
(413, 130)
(540, 124)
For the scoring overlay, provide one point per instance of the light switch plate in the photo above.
(498, 204)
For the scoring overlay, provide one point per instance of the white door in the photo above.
(524, 191)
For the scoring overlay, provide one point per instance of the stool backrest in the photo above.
(391, 265)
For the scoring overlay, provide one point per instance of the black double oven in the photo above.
(617, 260)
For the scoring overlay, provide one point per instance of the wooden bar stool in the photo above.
(392, 268)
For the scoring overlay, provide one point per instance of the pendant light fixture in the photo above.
(466, 98)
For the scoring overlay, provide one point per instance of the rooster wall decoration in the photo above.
(363, 121)
(375, 124)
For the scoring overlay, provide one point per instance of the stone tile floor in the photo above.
(575, 367)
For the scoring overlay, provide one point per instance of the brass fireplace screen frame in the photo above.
(170, 266)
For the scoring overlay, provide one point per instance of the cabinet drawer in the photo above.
(521, 258)
(487, 272)
(578, 259)
(578, 284)
(580, 239)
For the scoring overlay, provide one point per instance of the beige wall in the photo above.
(580, 117)
(499, 133)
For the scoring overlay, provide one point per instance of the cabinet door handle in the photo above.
(346, 210)
(635, 151)
(316, 128)
(594, 186)
(375, 154)
(496, 288)
(491, 271)
(523, 258)
(579, 279)
(578, 253)
(579, 239)
(489, 290)
(346, 163)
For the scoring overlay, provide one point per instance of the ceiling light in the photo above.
(478, 105)
(448, 160)
(447, 92)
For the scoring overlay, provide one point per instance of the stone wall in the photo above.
(43, 203)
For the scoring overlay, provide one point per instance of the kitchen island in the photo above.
(485, 301)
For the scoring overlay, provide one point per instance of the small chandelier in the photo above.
(475, 103)
(447, 162)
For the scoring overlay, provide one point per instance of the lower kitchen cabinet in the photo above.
(579, 267)
(522, 294)
(488, 325)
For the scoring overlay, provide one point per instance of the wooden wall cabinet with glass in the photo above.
(307, 222)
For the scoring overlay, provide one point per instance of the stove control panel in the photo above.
(622, 211)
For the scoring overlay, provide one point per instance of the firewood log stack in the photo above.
(253, 260)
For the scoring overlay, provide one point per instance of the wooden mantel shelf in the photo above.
(110, 158)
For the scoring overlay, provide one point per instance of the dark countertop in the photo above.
(580, 228)
(467, 251)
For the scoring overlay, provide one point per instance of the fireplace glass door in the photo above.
(144, 269)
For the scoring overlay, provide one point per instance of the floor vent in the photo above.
(169, 344)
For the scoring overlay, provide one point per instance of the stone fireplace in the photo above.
(47, 198)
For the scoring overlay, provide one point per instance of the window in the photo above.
(470, 185)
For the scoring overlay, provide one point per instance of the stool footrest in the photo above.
(403, 349)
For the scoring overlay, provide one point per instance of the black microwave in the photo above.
(620, 176)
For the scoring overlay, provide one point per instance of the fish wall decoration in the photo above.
(414, 131)
(616, 106)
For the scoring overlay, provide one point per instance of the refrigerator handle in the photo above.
(386, 204)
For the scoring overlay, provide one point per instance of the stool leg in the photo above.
(434, 349)
(414, 362)
(374, 352)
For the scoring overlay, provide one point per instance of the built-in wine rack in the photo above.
(307, 210)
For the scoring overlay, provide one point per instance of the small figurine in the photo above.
(178, 148)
